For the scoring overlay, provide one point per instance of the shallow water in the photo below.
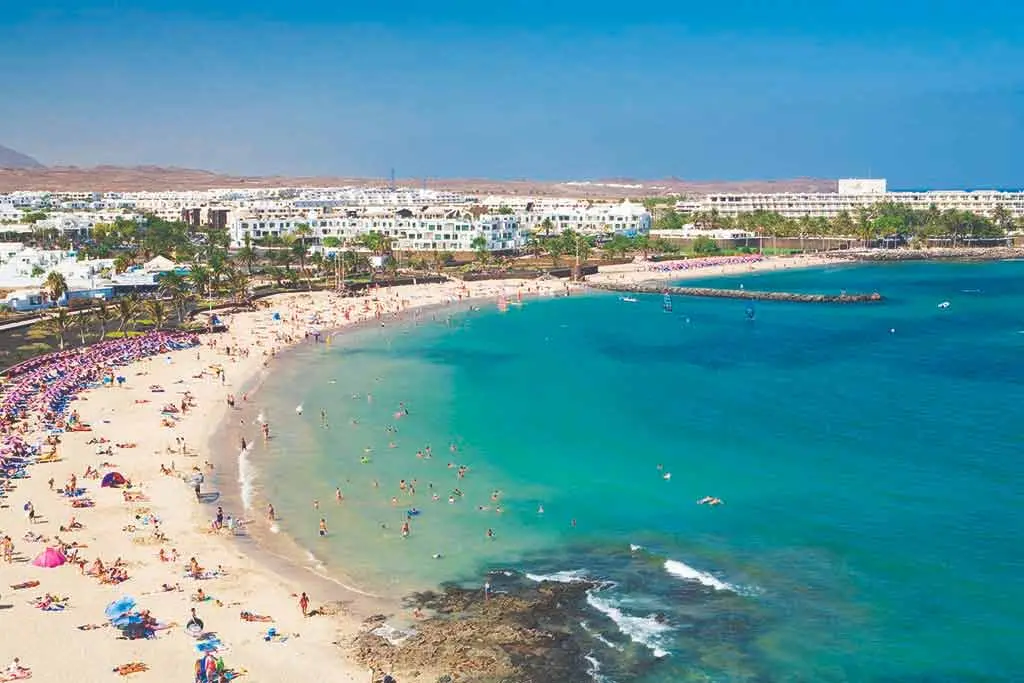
(867, 456)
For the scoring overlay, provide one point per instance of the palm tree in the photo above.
(866, 223)
(300, 249)
(122, 263)
(127, 310)
(642, 243)
(56, 286)
(301, 232)
(174, 287)
(247, 254)
(100, 314)
(238, 284)
(555, 249)
(59, 323)
(547, 226)
(157, 312)
(218, 269)
(479, 245)
(83, 318)
(201, 278)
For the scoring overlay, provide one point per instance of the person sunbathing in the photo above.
(16, 671)
(114, 575)
(194, 570)
(97, 568)
(129, 444)
(131, 668)
(73, 525)
(249, 616)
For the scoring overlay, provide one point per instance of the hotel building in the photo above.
(853, 194)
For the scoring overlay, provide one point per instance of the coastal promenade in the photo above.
(709, 292)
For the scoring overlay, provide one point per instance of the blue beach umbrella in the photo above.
(119, 607)
(126, 620)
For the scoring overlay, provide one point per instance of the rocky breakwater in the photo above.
(938, 254)
(655, 288)
(530, 634)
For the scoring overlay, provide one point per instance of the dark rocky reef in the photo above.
(527, 637)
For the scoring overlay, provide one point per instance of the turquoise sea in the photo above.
(868, 457)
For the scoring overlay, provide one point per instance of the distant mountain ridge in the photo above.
(142, 178)
(11, 158)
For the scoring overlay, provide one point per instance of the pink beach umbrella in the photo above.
(50, 558)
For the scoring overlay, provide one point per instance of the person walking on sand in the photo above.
(304, 604)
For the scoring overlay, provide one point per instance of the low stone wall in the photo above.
(709, 292)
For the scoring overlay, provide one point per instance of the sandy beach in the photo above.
(152, 530)
(130, 420)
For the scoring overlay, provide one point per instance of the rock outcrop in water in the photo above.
(523, 637)
(656, 288)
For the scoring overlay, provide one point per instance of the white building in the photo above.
(601, 219)
(442, 228)
(854, 194)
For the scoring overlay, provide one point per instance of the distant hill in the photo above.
(10, 158)
(140, 178)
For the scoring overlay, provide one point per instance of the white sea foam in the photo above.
(596, 635)
(246, 477)
(646, 631)
(685, 571)
(570, 576)
(594, 669)
(316, 565)
(634, 548)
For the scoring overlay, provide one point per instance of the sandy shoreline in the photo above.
(253, 579)
(132, 414)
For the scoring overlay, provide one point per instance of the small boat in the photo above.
(944, 304)
(628, 299)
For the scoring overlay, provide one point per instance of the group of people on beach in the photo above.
(36, 410)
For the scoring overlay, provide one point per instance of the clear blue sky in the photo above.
(923, 92)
